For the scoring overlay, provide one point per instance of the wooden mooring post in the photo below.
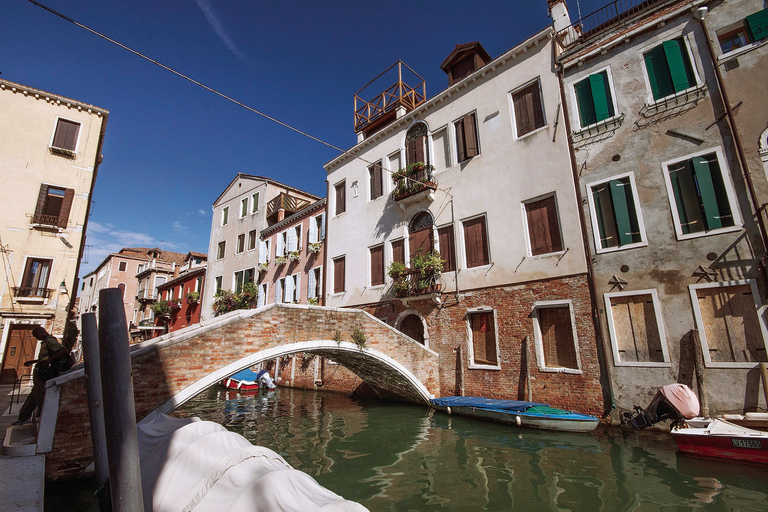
(764, 378)
(698, 365)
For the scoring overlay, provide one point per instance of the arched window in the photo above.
(416, 144)
(420, 238)
(413, 327)
(121, 286)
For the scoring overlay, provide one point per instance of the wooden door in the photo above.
(21, 347)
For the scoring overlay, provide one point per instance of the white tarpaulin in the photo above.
(193, 465)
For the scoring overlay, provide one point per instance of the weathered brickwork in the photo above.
(164, 367)
(448, 334)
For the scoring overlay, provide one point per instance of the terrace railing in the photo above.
(368, 112)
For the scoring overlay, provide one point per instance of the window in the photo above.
(338, 275)
(341, 201)
(243, 277)
(225, 216)
(669, 68)
(317, 228)
(66, 134)
(476, 242)
(293, 238)
(752, 29)
(261, 299)
(416, 147)
(420, 235)
(637, 333)
(252, 240)
(221, 250)
(281, 244)
(122, 266)
(279, 286)
(375, 184)
(594, 100)
(554, 331)
(482, 328)
(447, 248)
(398, 251)
(529, 112)
(377, 265)
(315, 283)
(292, 289)
(264, 251)
(255, 202)
(733, 38)
(701, 196)
(199, 284)
(35, 280)
(243, 207)
(466, 137)
(543, 226)
(240, 244)
(218, 284)
(616, 219)
(53, 206)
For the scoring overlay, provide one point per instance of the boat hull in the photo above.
(239, 385)
(722, 440)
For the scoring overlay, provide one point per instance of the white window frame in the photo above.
(429, 145)
(593, 215)
(470, 341)
(238, 249)
(244, 206)
(464, 246)
(539, 344)
(729, 191)
(79, 133)
(383, 263)
(225, 216)
(221, 253)
(760, 310)
(255, 239)
(255, 202)
(524, 212)
(648, 47)
(574, 106)
(659, 322)
(319, 280)
(510, 95)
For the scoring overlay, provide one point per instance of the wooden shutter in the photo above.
(420, 242)
(261, 299)
(66, 134)
(338, 275)
(587, 114)
(757, 24)
(447, 248)
(290, 288)
(322, 226)
(461, 147)
(475, 242)
(375, 180)
(470, 136)
(414, 150)
(529, 114)
(293, 240)
(297, 289)
(658, 73)
(601, 96)
(313, 230)
(483, 338)
(679, 65)
(557, 337)
(341, 200)
(543, 226)
(398, 251)
(278, 291)
(41, 196)
(263, 250)
(686, 198)
(280, 245)
(636, 330)
(621, 195)
(717, 211)
(377, 265)
(731, 324)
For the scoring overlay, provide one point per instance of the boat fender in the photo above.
(448, 410)
(518, 422)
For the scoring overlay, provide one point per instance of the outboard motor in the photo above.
(674, 402)
(264, 379)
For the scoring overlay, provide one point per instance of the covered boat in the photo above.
(248, 380)
(517, 412)
(721, 439)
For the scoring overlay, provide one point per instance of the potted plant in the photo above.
(280, 261)
(193, 298)
(396, 269)
(294, 256)
(401, 288)
(314, 247)
(263, 267)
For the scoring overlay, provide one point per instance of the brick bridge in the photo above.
(171, 369)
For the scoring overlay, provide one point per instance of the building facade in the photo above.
(460, 178)
(675, 239)
(184, 293)
(50, 151)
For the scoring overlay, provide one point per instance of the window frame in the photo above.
(240, 245)
(464, 243)
(371, 179)
(371, 269)
(221, 250)
(451, 227)
(218, 284)
(252, 237)
(244, 208)
(456, 140)
(122, 266)
(318, 290)
(595, 222)
(518, 90)
(666, 362)
(340, 186)
(47, 291)
(539, 342)
(343, 290)
(524, 210)
(472, 365)
(699, 321)
(55, 128)
(730, 192)
(576, 112)
(255, 202)
(225, 216)
(691, 60)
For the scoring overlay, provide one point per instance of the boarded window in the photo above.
(475, 242)
(731, 324)
(377, 265)
(466, 137)
(593, 97)
(615, 213)
(529, 113)
(483, 337)
(669, 68)
(66, 133)
(375, 181)
(543, 226)
(557, 337)
(447, 248)
(338, 275)
(341, 197)
(636, 329)
(398, 251)
(700, 195)
(53, 206)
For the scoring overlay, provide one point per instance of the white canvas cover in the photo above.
(193, 465)
(683, 399)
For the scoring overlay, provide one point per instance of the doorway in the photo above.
(21, 346)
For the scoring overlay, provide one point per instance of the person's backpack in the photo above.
(63, 364)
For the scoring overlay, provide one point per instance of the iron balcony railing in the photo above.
(49, 220)
(32, 292)
(413, 181)
(146, 295)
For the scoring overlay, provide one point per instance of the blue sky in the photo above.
(171, 147)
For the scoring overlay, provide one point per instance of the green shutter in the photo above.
(757, 24)
(649, 60)
(620, 199)
(687, 199)
(658, 73)
(707, 192)
(677, 58)
(601, 97)
(584, 100)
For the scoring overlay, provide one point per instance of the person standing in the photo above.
(46, 368)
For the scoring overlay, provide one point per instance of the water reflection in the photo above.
(391, 456)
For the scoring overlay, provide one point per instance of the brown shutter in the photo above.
(66, 134)
(475, 242)
(420, 242)
(414, 151)
(66, 206)
(377, 265)
(461, 144)
(40, 208)
(341, 201)
(398, 251)
(338, 275)
(557, 337)
(470, 136)
(447, 248)
(376, 185)
(483, 338)
(529, 114)
(543, 226)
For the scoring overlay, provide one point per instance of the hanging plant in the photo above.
(294, 256)
(280, 261)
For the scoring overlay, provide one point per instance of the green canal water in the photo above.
(397, 457)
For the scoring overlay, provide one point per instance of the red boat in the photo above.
(720, 439)
(248, 380)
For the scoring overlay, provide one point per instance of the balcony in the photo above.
(415, 282)
(381, 110)
(287, 203)
(32, 292)
(414, 183)
(48, 221)
(146, 296)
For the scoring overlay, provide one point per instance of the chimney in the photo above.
(558, 11)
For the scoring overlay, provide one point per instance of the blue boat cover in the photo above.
(484, 403)
(245, 375)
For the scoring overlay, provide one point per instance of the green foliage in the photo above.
(263, 267)
(281, 260)
(314, 301)
(358, 336)
(411, 179)
(396, 269)
(314, 247)
(427, 264)
(337, 336)
(164, 307)
(294, 256)
(193, 297)
(225, 301)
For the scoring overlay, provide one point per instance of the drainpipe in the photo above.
(700, 14)
(585, 240)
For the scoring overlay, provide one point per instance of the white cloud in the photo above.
(179, 227)
(202, 212)
(217, 27)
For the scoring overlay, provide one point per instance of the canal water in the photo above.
(398, 457)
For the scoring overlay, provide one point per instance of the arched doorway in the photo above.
(420, 236)
(413, 327)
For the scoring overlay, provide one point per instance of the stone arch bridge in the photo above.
(171, 369)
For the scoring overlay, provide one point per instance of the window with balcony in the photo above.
(669, 68)
(375, 182)
(476, 251)
(338, 274)
(416, 144)
(528, 108)
(377, 265)
(543, 225)
(65, 136)
(482, 328)
(594, 99)
(53, 206)
(221, 250)
(37, 272)
(340, 197)
(616, 219)
(467, 143)
(555, 336)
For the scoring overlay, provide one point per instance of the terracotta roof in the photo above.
(463, 48)
(266, 180)
(193, 254)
